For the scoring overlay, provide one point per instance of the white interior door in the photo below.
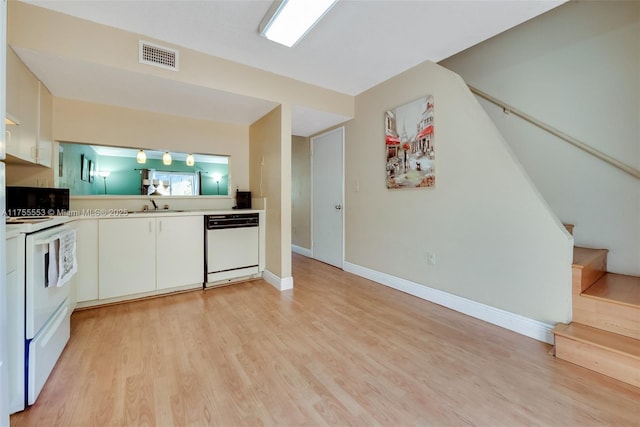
(327, 186)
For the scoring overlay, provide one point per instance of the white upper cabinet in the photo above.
(44, 143)
(30, 104)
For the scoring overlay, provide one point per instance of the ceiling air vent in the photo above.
(158, 56)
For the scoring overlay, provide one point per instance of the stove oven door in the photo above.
(47, 312)
(42, 301)
(45, 349)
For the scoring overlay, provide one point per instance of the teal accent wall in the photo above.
(209, 186)
(71, 170)
(125, 177)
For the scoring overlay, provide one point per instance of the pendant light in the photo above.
(190, 160)
(166, 158)
(141, 157)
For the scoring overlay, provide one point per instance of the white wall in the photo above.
(270, 177)
(495, 240)
(576, 68)
(301, 192)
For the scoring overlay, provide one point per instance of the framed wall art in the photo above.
(60, 162)
(92, 170)
(410, 146)
(84, 168)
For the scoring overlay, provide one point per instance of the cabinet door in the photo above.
(22, 104)
(85, 281)
(45, 126)
(180, 251)
(127, 256)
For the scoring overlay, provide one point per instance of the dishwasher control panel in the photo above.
(214, 222)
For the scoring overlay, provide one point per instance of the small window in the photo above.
(173, 183)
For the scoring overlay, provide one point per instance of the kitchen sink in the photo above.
(157, 211)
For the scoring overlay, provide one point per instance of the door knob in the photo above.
(338, 207)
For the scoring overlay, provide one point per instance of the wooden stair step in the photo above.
(569, 228)
(599, 338)
(585, 256)
(617, 288)
(588, 266)
(612, 303)
(610, 354)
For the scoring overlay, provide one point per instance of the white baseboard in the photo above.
(514, 322)
(280, 283)
(302, 251)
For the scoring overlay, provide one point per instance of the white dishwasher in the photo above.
(231, 247)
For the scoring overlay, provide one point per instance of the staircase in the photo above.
(605, 333)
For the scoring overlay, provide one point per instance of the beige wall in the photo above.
(301, 192)
(576, 68)
(270, 177)
(29, 175)
(495, 240)
(74, 39)
(77, 121)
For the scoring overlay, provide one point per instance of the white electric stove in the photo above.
(38, 312)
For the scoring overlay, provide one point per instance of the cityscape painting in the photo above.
(409, 143)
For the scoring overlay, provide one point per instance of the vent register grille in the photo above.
(158, 56)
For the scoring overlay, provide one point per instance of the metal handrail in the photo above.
(571, 140)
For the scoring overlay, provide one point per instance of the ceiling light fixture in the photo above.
(287, 21)
(190, 160)
(141, 157)
(166, 158)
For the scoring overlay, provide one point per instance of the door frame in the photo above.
(340, 129)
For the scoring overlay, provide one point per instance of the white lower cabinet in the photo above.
(179, 251)
(142, 255)
(127, 256)
(85, 281)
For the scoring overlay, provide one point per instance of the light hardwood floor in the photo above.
(336, 350)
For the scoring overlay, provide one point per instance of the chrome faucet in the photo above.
(155, 206)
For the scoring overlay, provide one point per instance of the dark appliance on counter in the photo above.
(230, 247)
(243, 200)
(37, 201)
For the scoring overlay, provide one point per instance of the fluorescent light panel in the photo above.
(288, 21)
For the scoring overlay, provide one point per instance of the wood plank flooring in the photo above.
(335, 350)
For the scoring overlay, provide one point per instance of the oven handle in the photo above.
(47, 241)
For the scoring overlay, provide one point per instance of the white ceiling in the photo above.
(357, 45)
